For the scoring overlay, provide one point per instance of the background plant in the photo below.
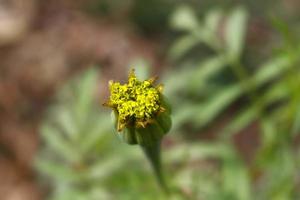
(269, 94)
(211, 77)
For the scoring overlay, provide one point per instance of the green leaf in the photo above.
(271, 69)
(212, 20)
(193, 77)
(236, 181)
(222, 99)
(196, 151)
(212, 24)
(235, 32)
(59, 144)
(57, 171)
(64, 120)
(106, 167)
(97, 132)
(84, 94)
(213, 107)
(240, 121)
(184, 18)
(296, 123)
(276, 93)
(269, 131)
(204, 71)
(182, 45)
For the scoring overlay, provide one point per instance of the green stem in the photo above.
(153, 155)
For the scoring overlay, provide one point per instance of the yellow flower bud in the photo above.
(141, 113)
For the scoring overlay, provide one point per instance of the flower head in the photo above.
(137, 104)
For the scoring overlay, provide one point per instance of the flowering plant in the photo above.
(141, 113)
(142, 116)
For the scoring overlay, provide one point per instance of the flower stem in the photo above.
(153, 155)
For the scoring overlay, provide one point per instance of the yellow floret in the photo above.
(137, 100)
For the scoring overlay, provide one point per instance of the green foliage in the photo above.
(268, 96)
(82, 159)
(197, 81)
(76, 134)
(151, 16)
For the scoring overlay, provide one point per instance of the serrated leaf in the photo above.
(59, 145)
(65, 122)
(84, 94)
(57, 171)
(97, 133)
(105, 168)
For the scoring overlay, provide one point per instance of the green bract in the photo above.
(140, 110)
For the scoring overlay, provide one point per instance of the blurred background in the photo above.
(231, 71)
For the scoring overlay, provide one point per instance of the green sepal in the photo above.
(165, 122)
(165, 104)
(152, 133)
(149, 135)
(128, 135)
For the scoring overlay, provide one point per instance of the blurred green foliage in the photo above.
(82, 159)
(151, 16)
(269, 96)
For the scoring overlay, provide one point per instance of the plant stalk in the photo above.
(153, 155)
